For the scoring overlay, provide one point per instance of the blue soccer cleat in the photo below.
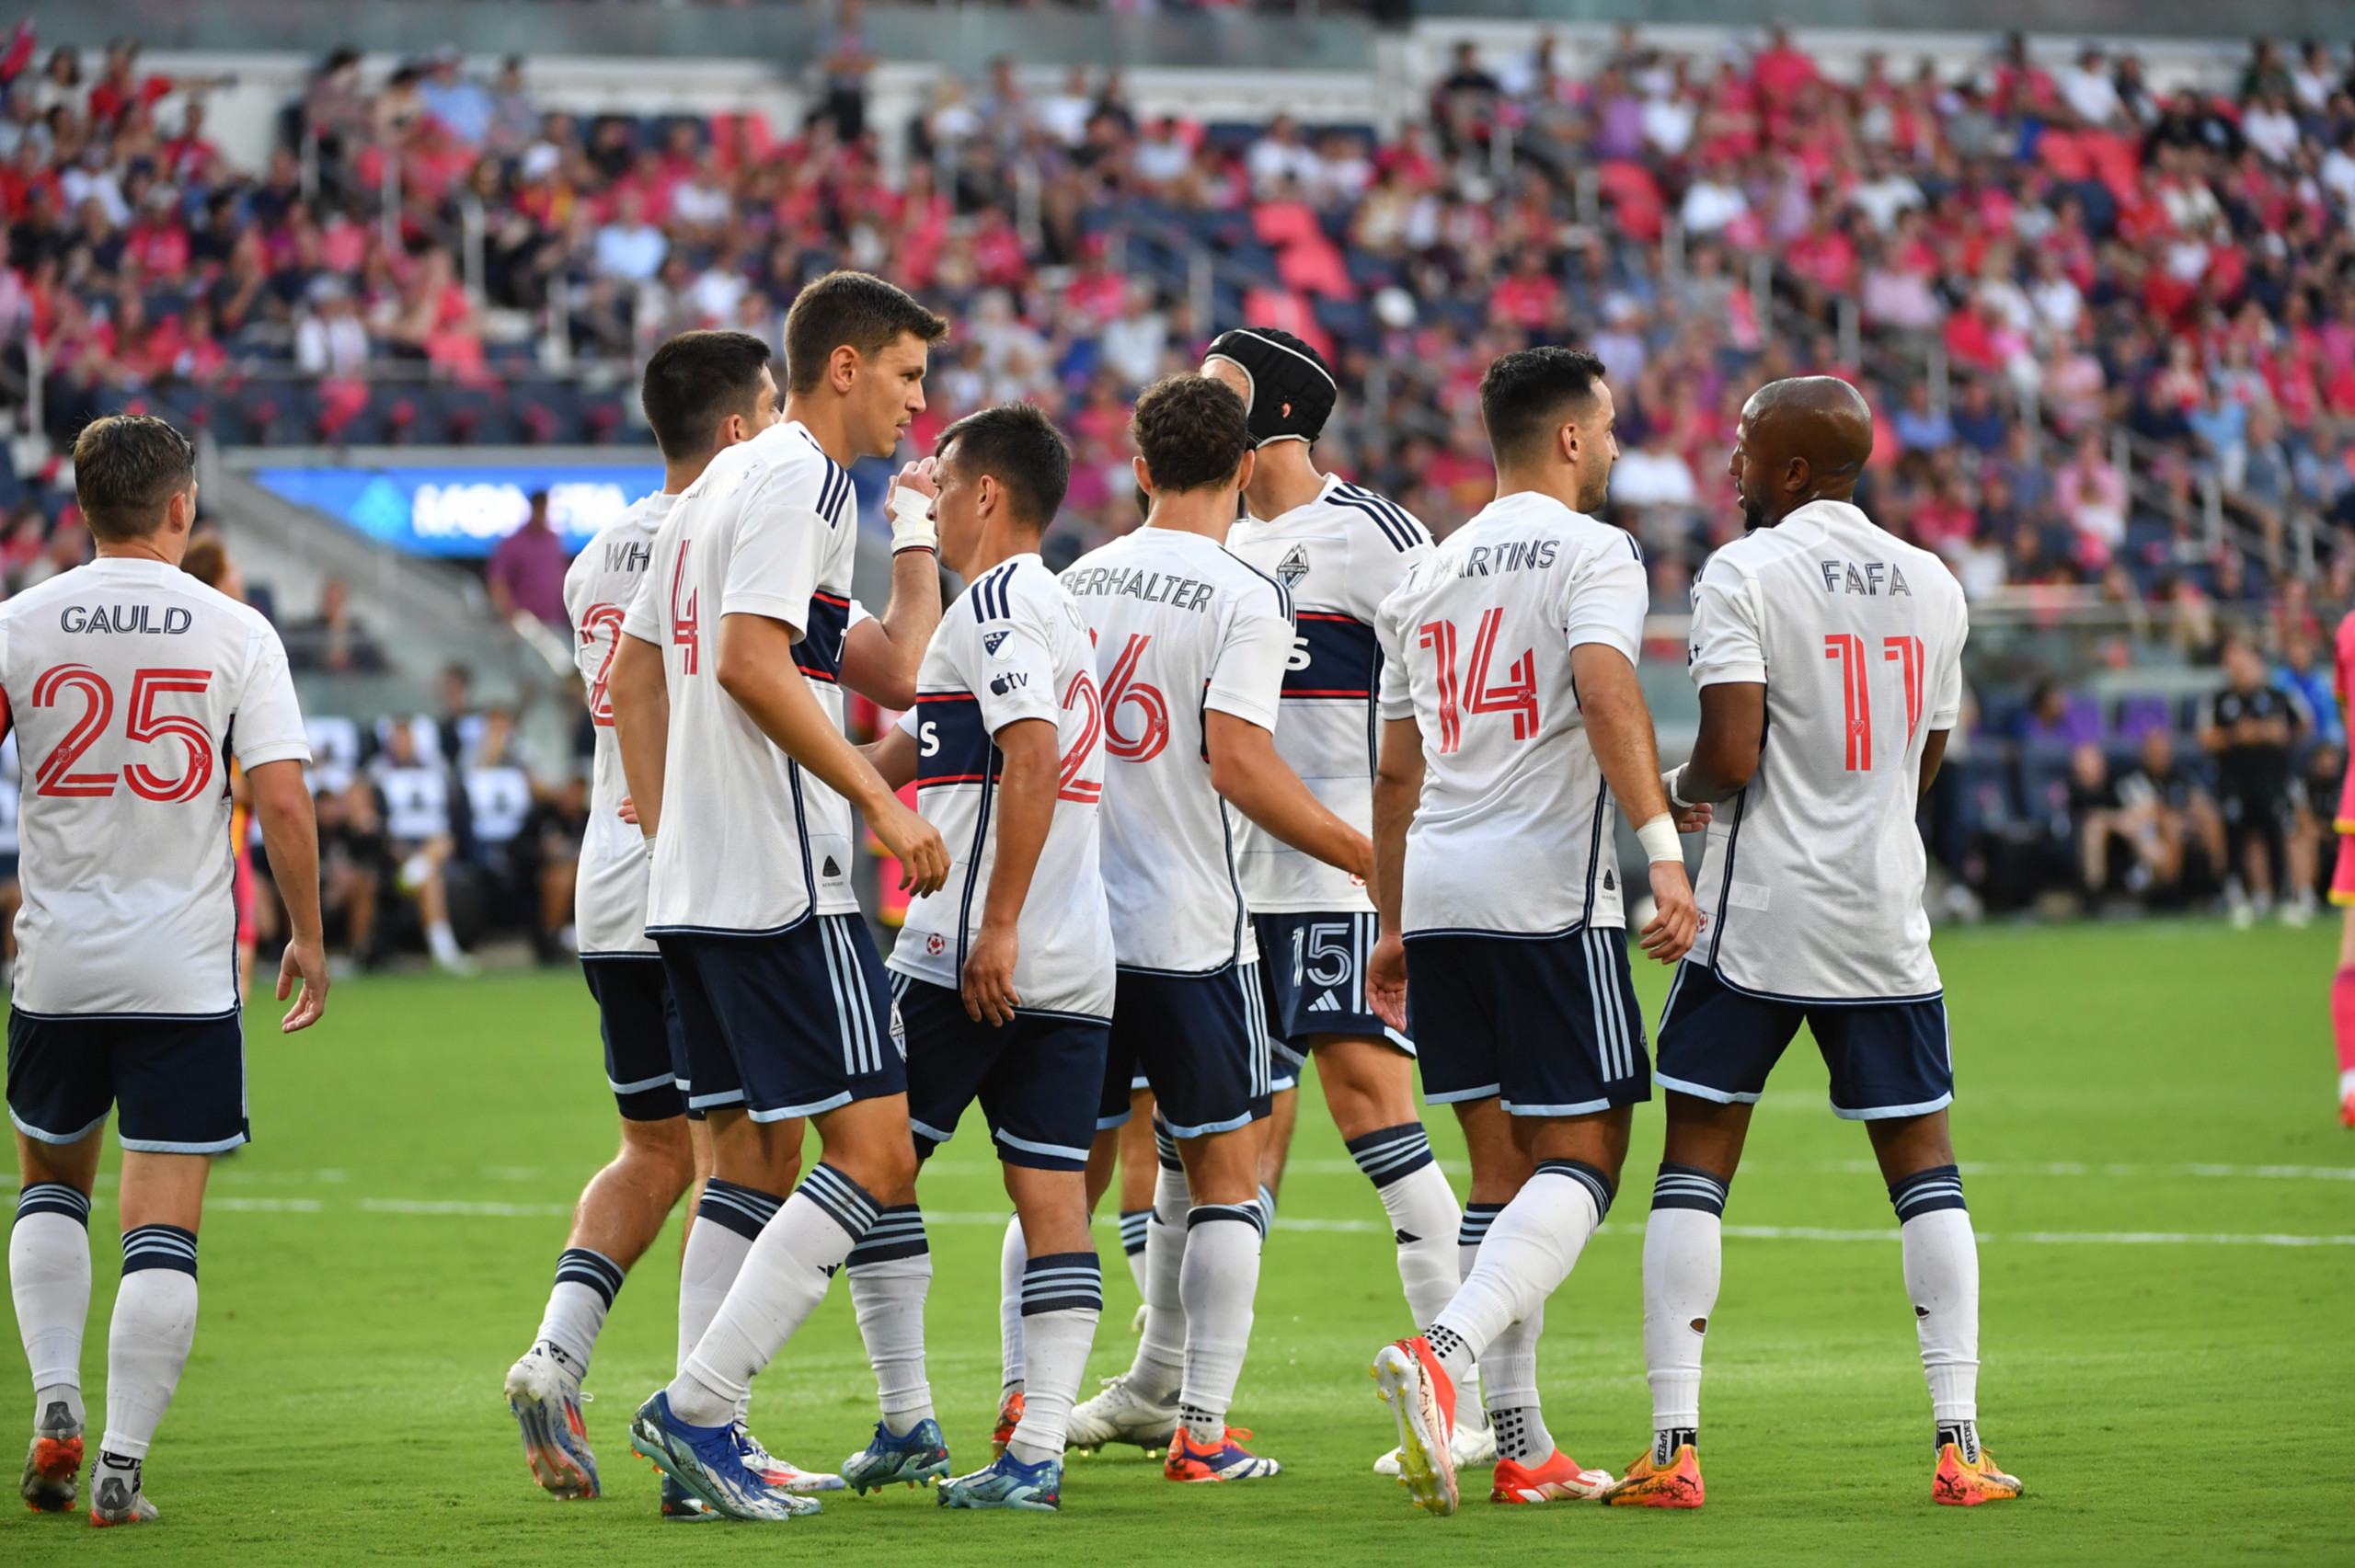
(919, 1457)
(1008, 1483)
(709, 1465)
(682, 1506)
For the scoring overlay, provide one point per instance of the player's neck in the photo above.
(1554, 480)
(825, 421)
(1283, 479)
(1000, 543)
(1844, 492)
(1210, 514)
(161, 546)
(677, 476)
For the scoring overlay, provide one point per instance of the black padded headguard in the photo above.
(1282, 371)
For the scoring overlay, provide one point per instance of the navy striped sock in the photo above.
(1250, 1214)
(847, 1203)
(1477, 1218)
(898, 1233)
(745, 1210)
(1133, 1232)
(54, 1197)
(1063, 1282)
(1689, 1186)
(579, 1266)
(1387, 1154)
(159, 1246)
(1924, 1192)
(1597, 1184)
(1166, 1146)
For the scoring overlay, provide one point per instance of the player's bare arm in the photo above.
(1725, 753)
(895, 757)
(1026, 808)
(1248, 772)
(290, 832)
(1397, 787)
(1620, 726)
(756, 669)
(880, 656)
(640, 694)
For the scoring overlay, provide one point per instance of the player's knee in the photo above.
(661, 1148)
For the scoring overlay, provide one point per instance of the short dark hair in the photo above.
(857, 308)
(1191, 432)
(1018, 446)
(693, 382)
(127, 467)
(1527, 393)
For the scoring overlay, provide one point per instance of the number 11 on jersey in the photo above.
(1856, 693)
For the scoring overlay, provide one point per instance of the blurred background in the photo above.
(396, 268)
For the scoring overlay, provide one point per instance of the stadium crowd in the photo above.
(2015, 263)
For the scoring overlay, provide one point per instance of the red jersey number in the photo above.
(1517, 696)
(54, 775)
(605, 618)
(1123, 690)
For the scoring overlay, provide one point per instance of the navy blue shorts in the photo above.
(1888, 1058)
(1549, 1025)
(1200, 1041)
(644, 1055)
(179, 1083)
(788, 1024)
(1038, 1079)
(1314, 968)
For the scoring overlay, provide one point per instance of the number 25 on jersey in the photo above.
(54, 775)
(1856, 693)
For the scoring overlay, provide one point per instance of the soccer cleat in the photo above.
(920, 1456)
(1008, 1483)
(709, 1466)
(1009, 1417)
(1966, 1483)
(783, 1474)
(1556, 1479)
(52, 1461)
(1229, 1460)
(116, 1495)
(2347, 1109)
(1475, 1449)
(1121, 1414)
(680, 1506)
(1645, 1485)
(546, 1403)
(1419, 1394)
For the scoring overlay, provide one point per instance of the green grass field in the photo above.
(374, 1263)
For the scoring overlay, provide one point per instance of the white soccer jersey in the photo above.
(1339, 557)
(1181, 627)
(1513, 831)
(749, 841)
(1014, 646)
(609, 895)
(1811, 886)
(416, 798)
(129, 684)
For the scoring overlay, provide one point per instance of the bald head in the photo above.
(1805, 438)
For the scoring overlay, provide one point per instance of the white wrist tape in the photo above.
(1658, 839)
(912, 524)
(1672, 781)
(649, 846)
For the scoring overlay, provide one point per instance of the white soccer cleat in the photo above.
(1475, 1449)
(546, 1404)
(1121, 1414)
(1410, 1381)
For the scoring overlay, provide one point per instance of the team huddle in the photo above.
(1274, 779)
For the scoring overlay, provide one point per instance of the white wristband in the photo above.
(1658, 839)
(912, 524)
(1671, 781)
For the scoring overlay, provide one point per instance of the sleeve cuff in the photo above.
(1610, 637)
(1392, 712)
(793, 613)
(1241, 707)
(1947, 720)
(253, 756)
(1729, 675)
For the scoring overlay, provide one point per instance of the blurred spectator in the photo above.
(333, 640)
(527, 568)
(419, 839)
(2248, 728)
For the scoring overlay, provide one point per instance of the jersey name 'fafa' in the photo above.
(1514, 833)
(1013, 647)
(1339, 557)
(748, 842)
(609, 895)
(1182, 627)
(126, 680)
(1811, 885)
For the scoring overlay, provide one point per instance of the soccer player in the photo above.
(703, 393)
(1512, 729)
(1190, 645)
(1003, 977)
(2248, 728)
(727, 710)
(1828, 654)
(130, 685)
(1339, 550)
(2342, 882)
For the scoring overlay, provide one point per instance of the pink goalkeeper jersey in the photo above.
(2342, 682)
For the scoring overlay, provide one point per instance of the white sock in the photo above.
(1063, 1297)
(1509, 1369)
(1471, 1409)
(784, 1278)
(1530, 1250)
(443, 941)
(2346, 1082)
(155, 1323)
(1013, 1257)
(49, 1275)
(727, 1220)
(586, 1283)
(1134, 1228)
(1218, 1284)
(1942, 1281)
(1684, 1262)
(1424, 1218)
(1160, 1365)
(891, 1273)
(1520, 1429)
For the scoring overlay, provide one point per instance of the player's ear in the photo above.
(842, 367)
(1144, 475)
(1243, 469)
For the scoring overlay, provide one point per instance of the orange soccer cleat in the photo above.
(1558, 1478)
(2347, 1109)
(1228, 1460)
(1009, 1417)
(1966, 1483)
(1676, 1485)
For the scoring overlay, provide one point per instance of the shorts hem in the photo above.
(1106, 1124)
(40, 1136)
(1740, 990)
(1457, 1096)
(716, 1102)
(1889, 1112)
(924, 1130)
(162, 1145)
(1702, 1090)
(1059, 1157)
(1208, 1130)
(809, 1108)
(664, 1081)
(1583, 1108)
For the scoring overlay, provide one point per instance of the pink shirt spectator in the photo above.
(527, 568)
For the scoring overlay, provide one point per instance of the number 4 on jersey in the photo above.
(1856, 690)
(1517, 696)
